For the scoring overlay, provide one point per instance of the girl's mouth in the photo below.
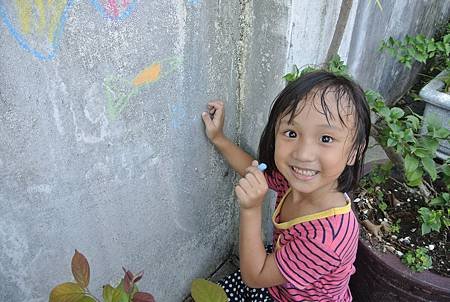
(304, 174)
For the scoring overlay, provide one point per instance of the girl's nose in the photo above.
(304, 152)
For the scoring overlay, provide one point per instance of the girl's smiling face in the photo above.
(310, 151)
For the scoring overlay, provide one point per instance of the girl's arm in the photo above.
(257, 269)
(237, 158)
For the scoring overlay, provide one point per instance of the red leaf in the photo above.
(138, 276)
(128, 281)
(80, 269)
(143, 297)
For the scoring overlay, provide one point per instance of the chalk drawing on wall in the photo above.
(114, 9)
(119, 91)
(38, 25)
(193, 2)
(180, 116)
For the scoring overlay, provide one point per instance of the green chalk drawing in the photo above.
(119, 91)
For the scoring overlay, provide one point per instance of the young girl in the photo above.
(313, 145)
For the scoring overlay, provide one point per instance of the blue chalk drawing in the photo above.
(25, 45)
(54, 46)
(193, 2)
(178, 112)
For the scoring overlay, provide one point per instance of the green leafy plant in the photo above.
(395, 227)
(382, 206)
(431, 220)
(296, 73)
(205, 291)
(410, 151)
(422, 49)
(418, 260)
(434, 219)
(78, 291)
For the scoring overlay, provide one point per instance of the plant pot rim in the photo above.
(431, 92)
(426, 278)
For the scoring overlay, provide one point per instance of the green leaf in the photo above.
(411, 163)
(424, 212)
(421, 58)
(442, 133)
(430, 167)
(420, 38)
(123, 295)
(446, 221)
(409, 135)
(429, 143)
(386, 113)
(422, 152)
(111, 294)
(67, 292)
(446, 197)
(437, 201)
(425, 229)
(414, 121)
(206, 291)
(432, 122)
(391, 142)
(431, 47)
(414, 178)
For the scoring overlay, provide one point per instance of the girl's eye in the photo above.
(326, 139)
(290, 134)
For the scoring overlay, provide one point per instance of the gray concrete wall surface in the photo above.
(102, 146)
(101, 141)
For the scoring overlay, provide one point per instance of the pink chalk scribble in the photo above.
(115, 7)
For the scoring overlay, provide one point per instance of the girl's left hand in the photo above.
(252, 188)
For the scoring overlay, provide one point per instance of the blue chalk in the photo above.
(262, 167)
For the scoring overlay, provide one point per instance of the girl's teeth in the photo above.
(304, 172)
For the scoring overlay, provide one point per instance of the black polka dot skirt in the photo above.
(236, 290)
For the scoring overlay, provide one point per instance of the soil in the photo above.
(409, 237)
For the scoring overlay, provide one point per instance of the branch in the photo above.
(393, 156)
(338, 34)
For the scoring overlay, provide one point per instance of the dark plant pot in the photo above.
(382, 277)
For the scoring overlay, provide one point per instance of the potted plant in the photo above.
(435, 52)
(125, 291)
(404, 206)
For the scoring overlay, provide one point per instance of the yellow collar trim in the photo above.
(319, 215)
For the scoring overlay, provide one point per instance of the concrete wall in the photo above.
(101, 142)
(92, 158)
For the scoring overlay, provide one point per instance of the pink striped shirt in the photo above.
(315, 253)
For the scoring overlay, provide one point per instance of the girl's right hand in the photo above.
(213, 120)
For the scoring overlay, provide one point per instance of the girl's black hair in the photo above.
(323, 82)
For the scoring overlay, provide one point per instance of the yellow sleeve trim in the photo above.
(319, 215)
